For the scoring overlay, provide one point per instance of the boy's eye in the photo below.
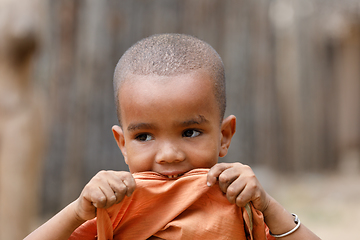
(190, 133)
(144, 137)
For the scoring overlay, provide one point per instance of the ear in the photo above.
(120, 140)
(228, 128)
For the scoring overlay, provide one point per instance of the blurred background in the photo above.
(293, 81)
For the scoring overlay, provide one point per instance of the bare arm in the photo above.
(280, 221)
(58, 227)
(241, 186)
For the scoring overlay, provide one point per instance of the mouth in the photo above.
(173, 176)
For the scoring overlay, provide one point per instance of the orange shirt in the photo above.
(185, 208)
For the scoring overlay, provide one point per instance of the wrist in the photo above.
(277, 218)
(270, 208)
(296, 221)
(72, 207)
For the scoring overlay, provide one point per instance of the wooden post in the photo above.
(21, 122)
(348, 85)
(287, 80)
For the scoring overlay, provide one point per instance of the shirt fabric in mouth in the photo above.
(185, 208)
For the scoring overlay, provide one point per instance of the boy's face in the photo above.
(171, 125)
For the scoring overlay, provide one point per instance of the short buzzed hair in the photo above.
(171, 55)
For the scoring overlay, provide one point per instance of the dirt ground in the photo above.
(328, 203)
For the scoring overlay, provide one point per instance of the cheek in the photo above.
(205, 156)
(139, 159)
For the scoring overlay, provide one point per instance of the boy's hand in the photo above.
(240, 185)
(105, 189)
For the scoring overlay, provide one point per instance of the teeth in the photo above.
(173, 176)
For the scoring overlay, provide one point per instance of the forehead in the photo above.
(187, 92)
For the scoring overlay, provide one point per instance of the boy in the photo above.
(170, 98)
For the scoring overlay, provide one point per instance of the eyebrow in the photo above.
(195, 121)
(137, 126)
(199, 120)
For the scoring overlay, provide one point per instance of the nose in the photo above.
(169, 153)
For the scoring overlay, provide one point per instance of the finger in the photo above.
(235, 189)
(122, 184)
(119, 189)
(92, 196)
(96, 196)
(93, 191)
(102, 194)
(130, 183)
(110, 197)
(245, 189)
(227, 177)
(249, 193)
(215, 171)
